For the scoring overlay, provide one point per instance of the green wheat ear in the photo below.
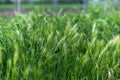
(16, 54)
(0, 55)
(110, 43)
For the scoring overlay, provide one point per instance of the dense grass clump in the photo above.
(60, 47)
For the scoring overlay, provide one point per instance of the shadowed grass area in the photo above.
(32, 6)
(50, 6)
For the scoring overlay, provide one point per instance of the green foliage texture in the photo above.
(42, 46)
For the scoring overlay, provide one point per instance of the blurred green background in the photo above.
(8, 7)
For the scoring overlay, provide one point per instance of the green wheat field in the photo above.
(38, 46)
